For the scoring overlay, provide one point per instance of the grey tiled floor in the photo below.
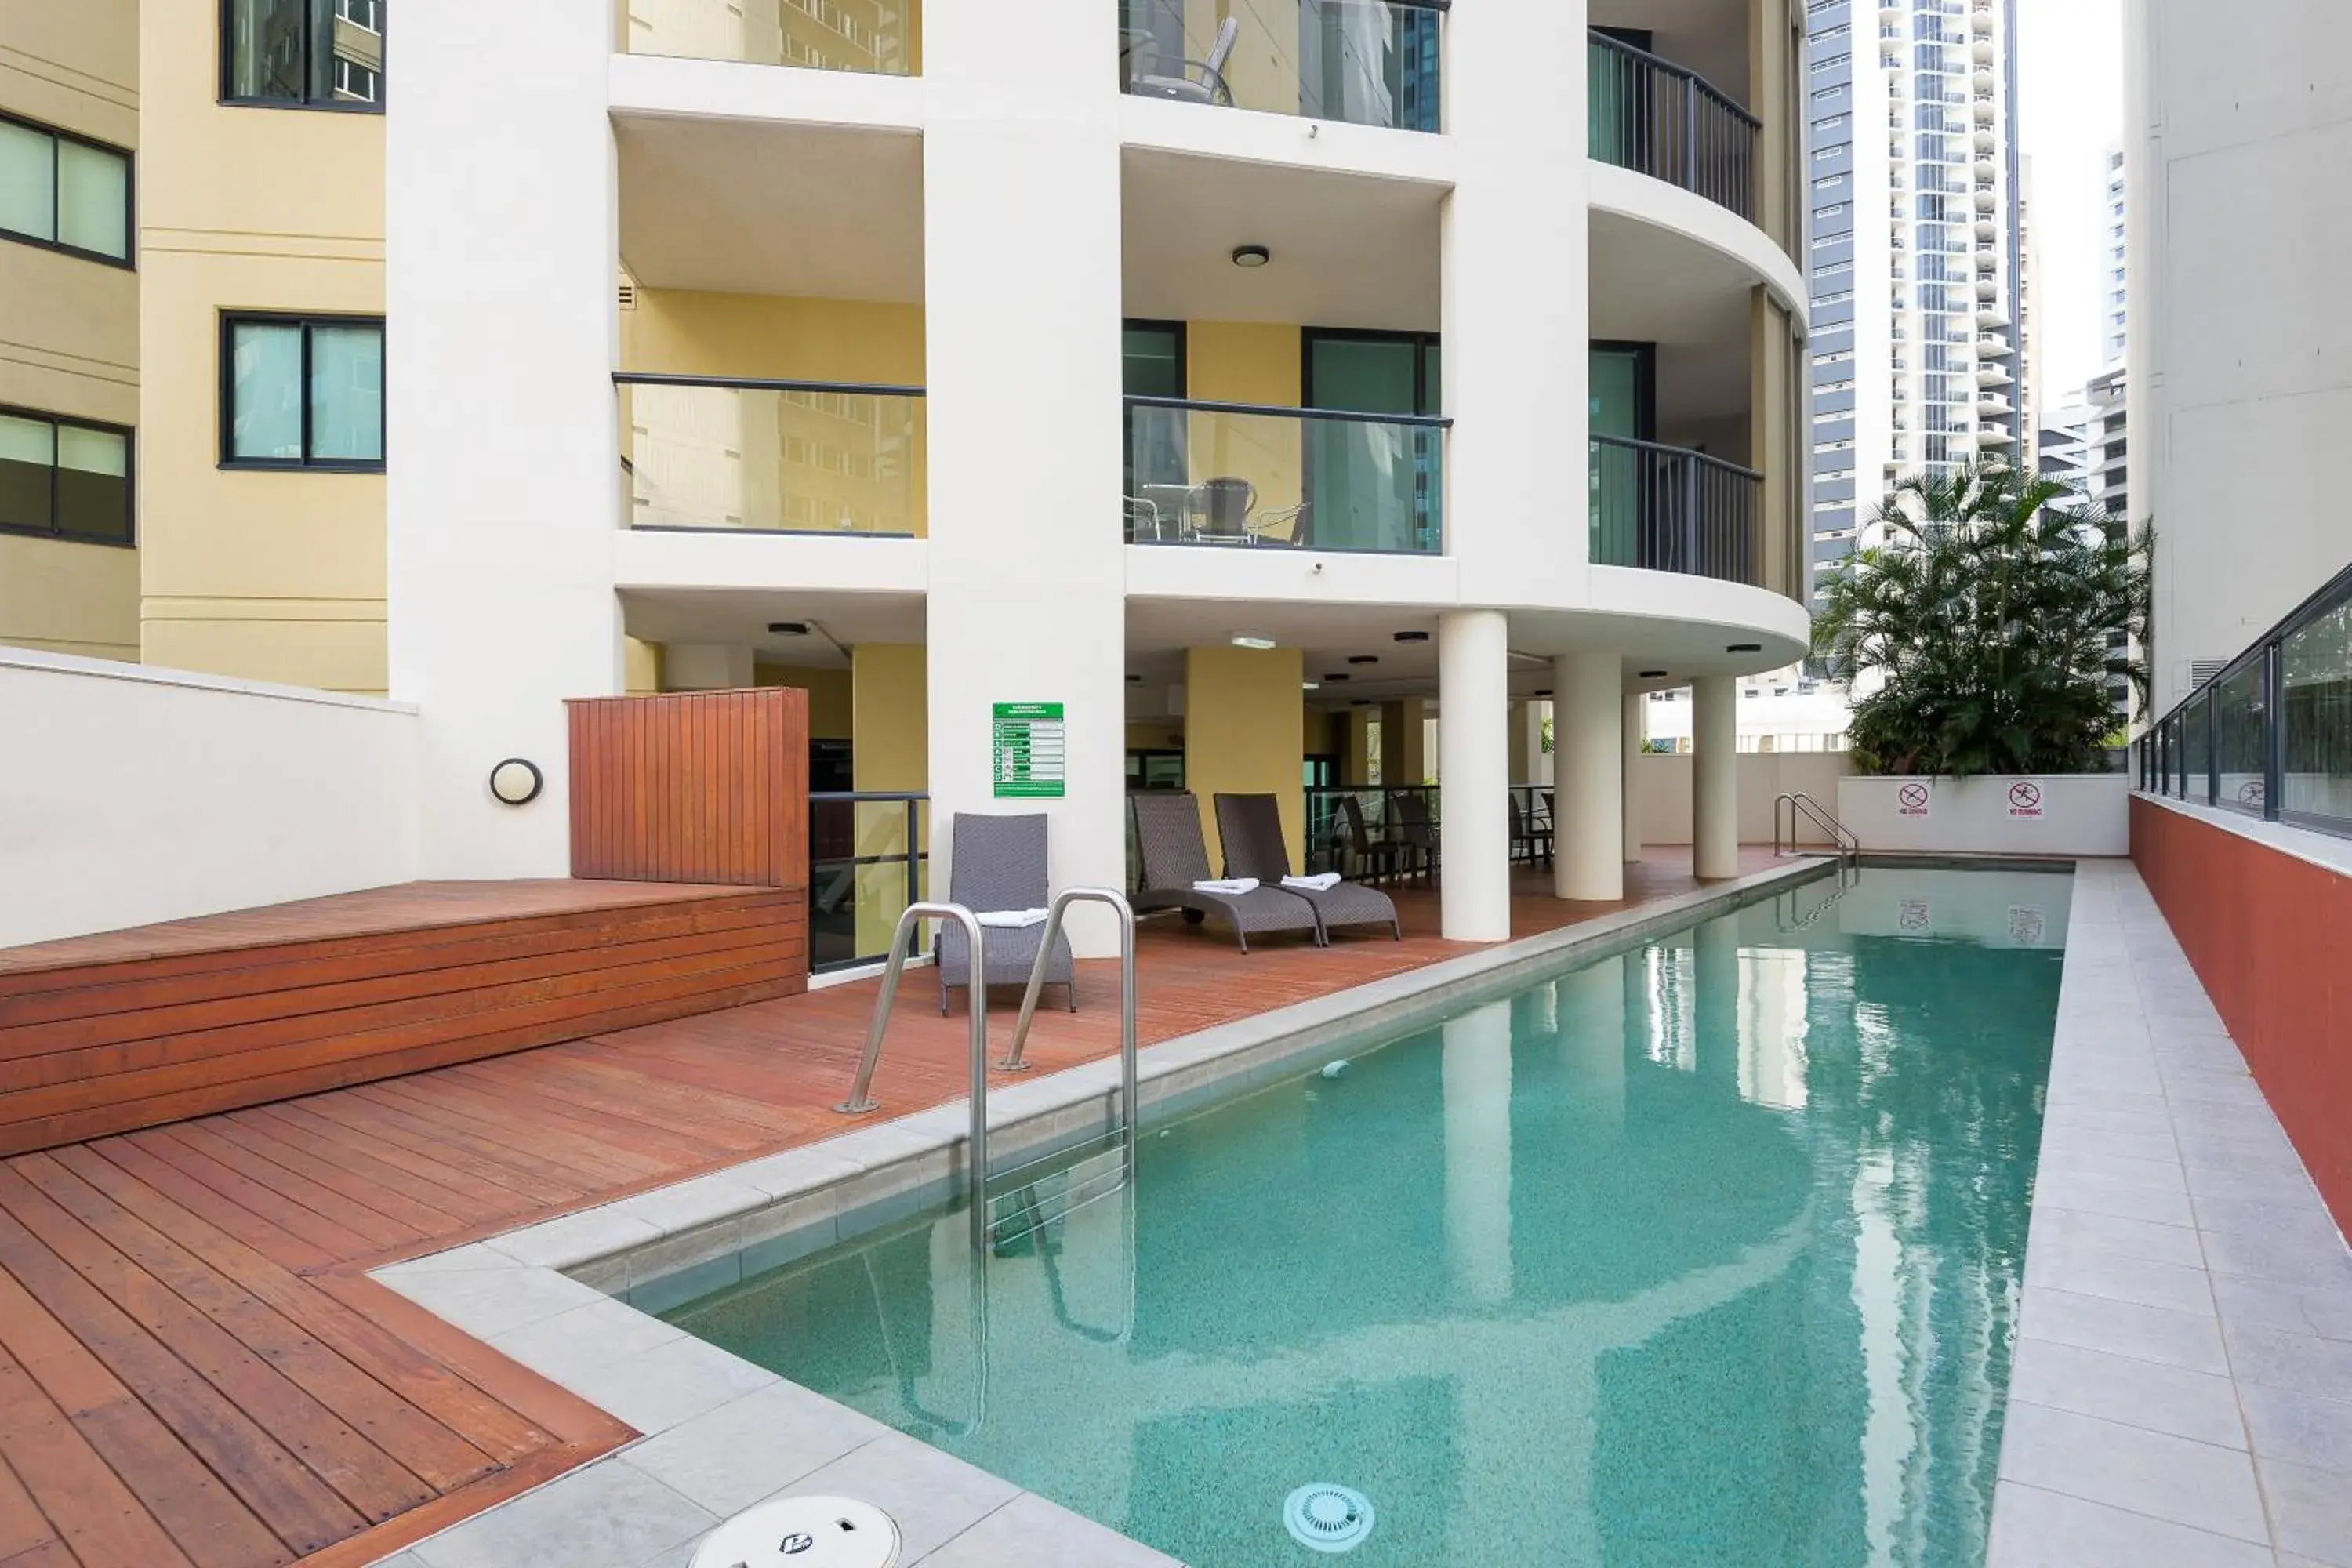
(2182, 1392)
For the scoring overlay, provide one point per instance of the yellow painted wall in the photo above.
(828, 693)
(274, 577)
(1247, 362)
(776, 337)
(1404, 754)
(1156, 735)
(1243, 716)
(890, 713)
(1322, 732)
(1361, 765)
(69, 327)
(641, 666)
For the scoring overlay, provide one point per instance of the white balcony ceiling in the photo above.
(738, 208)
(1184, 216)
(1651, 285)
(738, 616)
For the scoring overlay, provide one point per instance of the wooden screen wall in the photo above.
(701, 786)
(2271, 938)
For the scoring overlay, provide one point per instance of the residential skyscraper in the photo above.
(1918, 304)
(2113, 311)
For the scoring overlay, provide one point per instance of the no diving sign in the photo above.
(1913, 798)
(2025, 799)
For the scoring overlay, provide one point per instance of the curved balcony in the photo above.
(1241, 474)
(1657, 119)
(1666, 509)
(1360, 62)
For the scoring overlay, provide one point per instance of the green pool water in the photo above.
(1707, 1253)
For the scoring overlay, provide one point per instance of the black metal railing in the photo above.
(2270, 735)
(1658, 119)
(868, 855)
(1666, 509)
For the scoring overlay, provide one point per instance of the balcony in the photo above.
(1360, 62)
(771, 457)
(877, 36)
(1242, 474)
(1660, 119)
(1664, 508)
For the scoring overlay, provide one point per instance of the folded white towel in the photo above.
(1232, 887)
(1322, 882)
(1011, 918)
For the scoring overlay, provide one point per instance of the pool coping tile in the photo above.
(2182, 1258)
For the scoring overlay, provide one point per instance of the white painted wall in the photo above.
(500, 435)
(135, 794)
(2081, 815)
(2240, 383)
(1020, 336)
(1662, 792)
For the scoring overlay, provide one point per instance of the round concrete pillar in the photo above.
(1715, 780)
(1474, 767)
(1637, 717)
(1588, 727)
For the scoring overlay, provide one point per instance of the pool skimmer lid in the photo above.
(1324, 1517)
(803, 1532)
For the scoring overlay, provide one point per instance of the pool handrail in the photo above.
(1849, 847)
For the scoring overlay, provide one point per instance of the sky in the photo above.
(2070, 111)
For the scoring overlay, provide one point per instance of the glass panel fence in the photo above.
(1231, 474)
(868, 861)
(2239, 727)
(2315, 673)
(882, 37)
(772, 457)
(1363, 62)
(2196, 750)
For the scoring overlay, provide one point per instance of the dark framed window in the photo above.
(303, 392)
(304, 54)
(64, 192)
(65, 479)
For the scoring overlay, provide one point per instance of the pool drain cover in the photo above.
(803, 1532)
(1328, 1518)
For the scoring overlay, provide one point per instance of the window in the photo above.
(1834, 62)
(302, 393)
(309, 54)
(62, 191)
(65, 478)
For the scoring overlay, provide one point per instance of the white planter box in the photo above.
(2077, 813)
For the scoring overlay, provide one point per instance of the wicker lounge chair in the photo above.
(999, 863)
(1174, 856)
(1251, 826)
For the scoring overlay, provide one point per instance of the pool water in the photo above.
(1706, 1253)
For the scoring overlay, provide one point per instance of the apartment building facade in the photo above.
(1919, 271)
(69, 351)
(1212, 367)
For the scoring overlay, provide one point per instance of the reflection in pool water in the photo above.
(1706, 1253)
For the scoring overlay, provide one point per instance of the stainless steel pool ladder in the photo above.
(861, 1099)
(1848, 847)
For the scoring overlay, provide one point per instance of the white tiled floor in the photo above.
(2182, 1392)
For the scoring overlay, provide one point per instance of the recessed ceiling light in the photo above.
(1653, 674)
(789, 628)
(1250, 640)
(1543, 690)
(1363, 659)
(1412, 637)
(1135, 681)
(1309, 686)
(1339, 675)
(1745, 648)
(1252, 256)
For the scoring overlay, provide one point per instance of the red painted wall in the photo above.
(2271, 938)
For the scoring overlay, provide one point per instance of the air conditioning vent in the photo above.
(2201, 671)
(628, 296)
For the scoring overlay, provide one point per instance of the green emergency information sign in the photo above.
(1032, 750)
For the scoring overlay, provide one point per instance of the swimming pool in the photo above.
(1705, 1252)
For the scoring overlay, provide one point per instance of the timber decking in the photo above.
(127, 1029)
(193, 1368)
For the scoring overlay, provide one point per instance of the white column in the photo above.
(1637, 719)
(1474, 767)
(499, 428)
(1715, 777)
(1589, 776)
(1027, 590)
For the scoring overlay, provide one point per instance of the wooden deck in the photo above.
(193, 1368)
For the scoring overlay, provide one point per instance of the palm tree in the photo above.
(1987, 618)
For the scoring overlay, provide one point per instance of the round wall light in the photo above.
(1252, 256)
(1338, 675)
(517, 782)
(1309, 686)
